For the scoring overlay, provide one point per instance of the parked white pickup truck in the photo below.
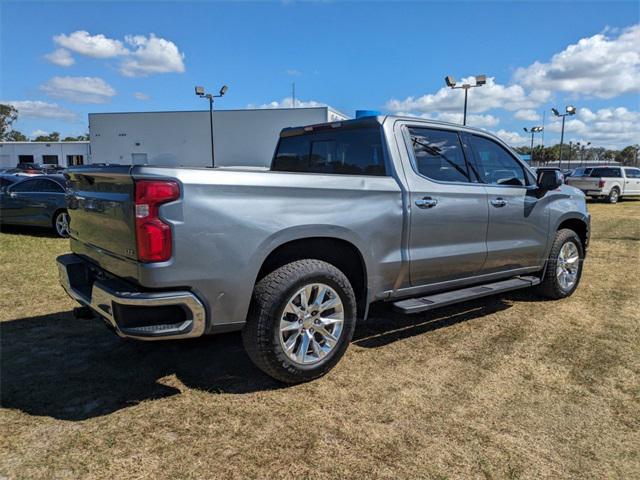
(609, 183)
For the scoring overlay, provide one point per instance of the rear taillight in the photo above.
(153, 236)
(601, 184)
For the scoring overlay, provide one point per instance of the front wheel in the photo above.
(564, 267)
(61, 223)
(301, 321)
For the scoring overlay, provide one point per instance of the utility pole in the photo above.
(293, 94)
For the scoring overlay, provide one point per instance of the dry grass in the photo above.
(505, 387)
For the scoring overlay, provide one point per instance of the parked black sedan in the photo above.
(35, 201)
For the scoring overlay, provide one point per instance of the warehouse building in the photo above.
(47, 153)
(183, 138)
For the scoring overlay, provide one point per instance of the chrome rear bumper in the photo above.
(111, 298)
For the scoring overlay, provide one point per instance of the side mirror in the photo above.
(549, 179)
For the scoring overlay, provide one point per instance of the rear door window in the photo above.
(438, 155)
(355, 151)
(633, 172)
(25, 186)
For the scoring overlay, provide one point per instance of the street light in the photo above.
(451, 83)
(581, 148)
(570, 110)
(202, 94)
(532, 131)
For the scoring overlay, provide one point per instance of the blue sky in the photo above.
(62, 60)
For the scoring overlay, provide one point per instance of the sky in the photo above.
(61, 60)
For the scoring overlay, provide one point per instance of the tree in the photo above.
(15, 136)
(627, 156)
(79, 138)
(52, 137)
(8, 115)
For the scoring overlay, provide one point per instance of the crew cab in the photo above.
(414, 212)
(609, 183)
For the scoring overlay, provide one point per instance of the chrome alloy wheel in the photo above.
(62, 224)
(311, 323)
(567, 266)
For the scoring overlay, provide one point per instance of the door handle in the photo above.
(13, 194)
(426, 202)
(498, 202)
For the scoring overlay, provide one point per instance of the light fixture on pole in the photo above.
(202, 94)
(581, 148)
(451, 83)
(532, 131)
(570, 110)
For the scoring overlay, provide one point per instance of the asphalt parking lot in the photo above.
(504, 387)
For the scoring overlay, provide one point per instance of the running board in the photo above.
(421, 304)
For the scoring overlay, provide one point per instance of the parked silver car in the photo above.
(396, 209)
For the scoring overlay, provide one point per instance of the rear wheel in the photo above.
(301, 321)
(564, 267)
(61, 223)
(614, 195)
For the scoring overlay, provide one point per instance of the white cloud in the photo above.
(40, 109)
(606, 127)
(151, 55)
(38, 133)
(600, 66)
(141, 55)
(96, 46)
(294, 72)
(492, 95)
(513, 139)
(527, 114)
(288, 103)
(79, 89)
(60, 57)
(141, 96)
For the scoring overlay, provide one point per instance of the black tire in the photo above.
(614, 195)
(550, 286)
(55, 223)
(261, 334)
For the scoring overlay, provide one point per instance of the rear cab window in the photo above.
(610, 172)
(346, 151)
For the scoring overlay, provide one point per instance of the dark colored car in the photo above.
(35, 201)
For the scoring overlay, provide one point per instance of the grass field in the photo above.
(504, 387)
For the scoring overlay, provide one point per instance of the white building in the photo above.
(51, 153)
(241, 137)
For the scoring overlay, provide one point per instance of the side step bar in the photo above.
(417, 305)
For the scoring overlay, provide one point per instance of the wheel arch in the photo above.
(578, 225)
(340, 253)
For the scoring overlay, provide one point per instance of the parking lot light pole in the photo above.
(533, 131)
(451, 83)
(570, 110)
(201, 93)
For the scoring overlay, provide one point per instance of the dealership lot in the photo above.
(505, 387)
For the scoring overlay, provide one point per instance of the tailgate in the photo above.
(101, 209)
(584, 183)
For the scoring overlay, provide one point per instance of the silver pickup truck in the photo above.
(418, 213)
(608, 183)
